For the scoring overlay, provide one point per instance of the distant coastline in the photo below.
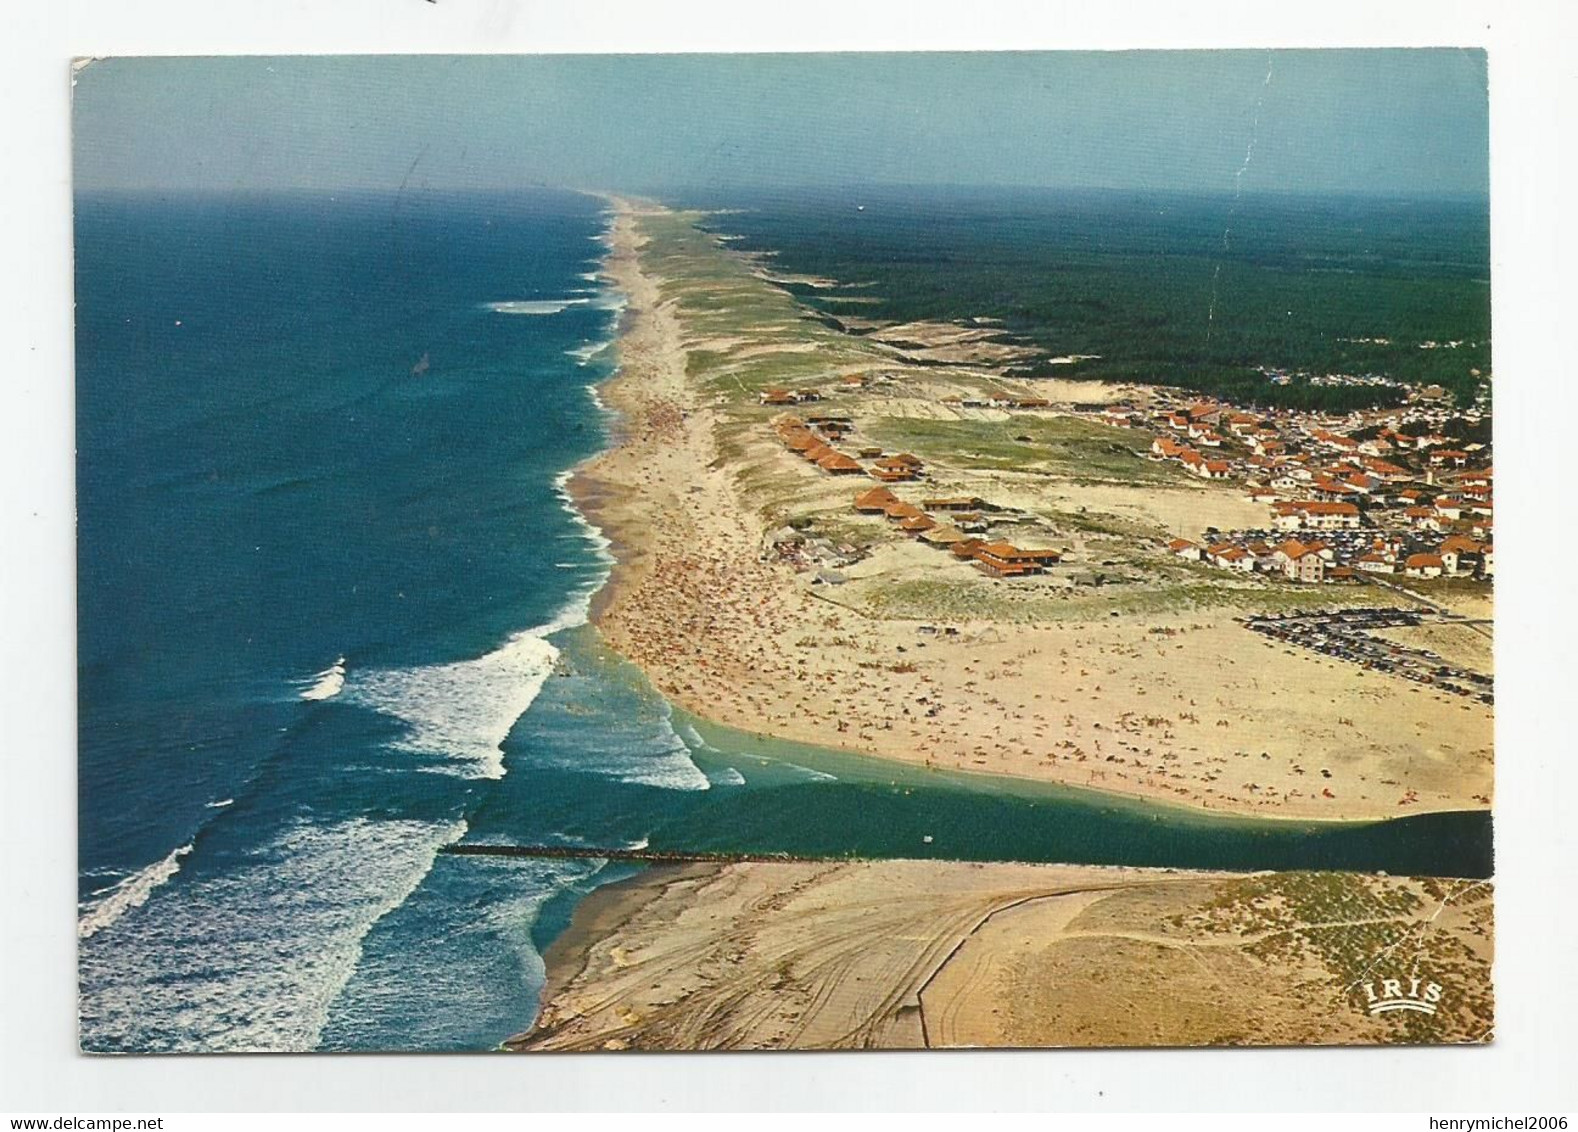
(661, 489)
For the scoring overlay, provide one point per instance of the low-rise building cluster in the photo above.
(999, 401)
(1342, 556)
(963, 531)
(812, 439)
(1388, 491)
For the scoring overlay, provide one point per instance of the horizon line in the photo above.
(1474, 195)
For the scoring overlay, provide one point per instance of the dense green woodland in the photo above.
(1194, 291)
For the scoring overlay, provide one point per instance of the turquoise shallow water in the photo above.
(771, 795)
(333, 604)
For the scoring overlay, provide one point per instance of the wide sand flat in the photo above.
(914, 954)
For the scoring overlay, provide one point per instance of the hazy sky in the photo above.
(1394, 121)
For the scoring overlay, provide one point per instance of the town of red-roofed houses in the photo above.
(1378, 493)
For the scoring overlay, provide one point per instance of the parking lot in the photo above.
(1345, 635)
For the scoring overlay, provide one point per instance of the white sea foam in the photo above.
(661, 759)
(584, 353)
(633, 742)
(813, 775)
(251, 958)
(406, 997)
(673, 768)
(645, 760)
(694, 741)
(133, 891)
(586, 530)
(728, 776)
(326, 684)
(669, 768)
(603, 300)
(536, 306)
(220, 804)
(461, 711)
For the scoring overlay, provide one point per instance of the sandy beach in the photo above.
(1182, 706)
(936, 954)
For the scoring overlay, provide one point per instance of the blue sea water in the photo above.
(332, 603)
(321, 548)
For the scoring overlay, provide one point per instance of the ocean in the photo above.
(323, 543)
(332, 618)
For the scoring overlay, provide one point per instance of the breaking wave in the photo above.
(252, 957)
(536, 306)
(584, 353)
(601, 300)
(462, 711)
(132, 892)
(326, 684)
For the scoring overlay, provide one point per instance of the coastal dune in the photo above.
(938, 954)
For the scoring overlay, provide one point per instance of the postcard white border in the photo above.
(1528, 1068)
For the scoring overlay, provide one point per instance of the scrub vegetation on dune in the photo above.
(1066, 446)
(1194, 291)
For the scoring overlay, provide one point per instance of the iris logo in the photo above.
(1401, 994)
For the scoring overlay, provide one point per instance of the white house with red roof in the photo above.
(1424, 566)
(1292, 514)
(1231, 557)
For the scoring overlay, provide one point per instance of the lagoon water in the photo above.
(332, 618)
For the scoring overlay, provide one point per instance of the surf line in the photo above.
(658, 856)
